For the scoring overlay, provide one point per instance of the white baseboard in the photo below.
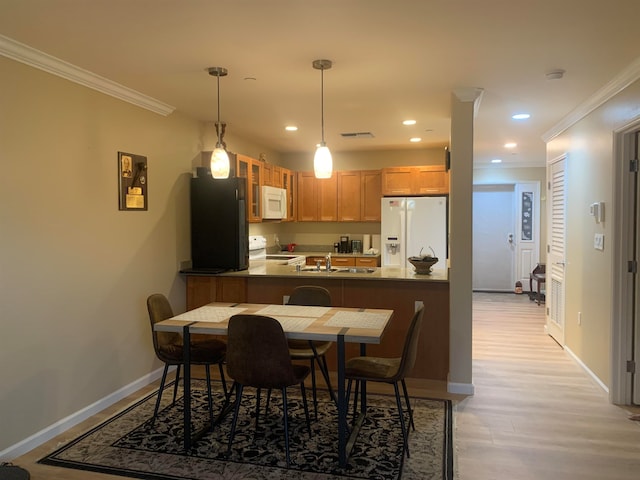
(61, 426)
(586, 369)
(461, 388)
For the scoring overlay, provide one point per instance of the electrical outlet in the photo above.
(579, 318)
(417, 305)
(598, 241)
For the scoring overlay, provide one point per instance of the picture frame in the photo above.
(132, 182)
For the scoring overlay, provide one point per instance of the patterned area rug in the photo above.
(130, 445)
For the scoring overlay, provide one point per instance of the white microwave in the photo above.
(274, 203)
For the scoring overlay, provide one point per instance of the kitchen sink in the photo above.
(322, 269)
(358, 270)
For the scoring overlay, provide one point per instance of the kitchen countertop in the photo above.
(262, 268)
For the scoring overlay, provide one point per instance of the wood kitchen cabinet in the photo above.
(288, 182)
(271, 175)
(397, 181)
(418, 180)
(370, 195)
(431, 179)
(251, 169)
(317, 198)
(349, 189)
(368, 262)
(343, 261)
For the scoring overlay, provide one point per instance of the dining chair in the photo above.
(169, 349)
(389, 370)
(314, 351)
(258, 356)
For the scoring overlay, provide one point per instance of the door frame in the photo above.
(622, 315)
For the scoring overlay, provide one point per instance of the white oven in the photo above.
(274, 202)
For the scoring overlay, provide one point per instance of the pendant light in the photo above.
(322, 161)
(219, 157)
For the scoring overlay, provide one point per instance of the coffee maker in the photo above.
(344, 244)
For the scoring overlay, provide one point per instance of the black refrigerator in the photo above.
(219, 228)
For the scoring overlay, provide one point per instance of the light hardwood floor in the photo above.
(535, 414)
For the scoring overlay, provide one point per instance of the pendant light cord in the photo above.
(218, 125)
(322, 101)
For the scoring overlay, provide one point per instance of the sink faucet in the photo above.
(328, 262)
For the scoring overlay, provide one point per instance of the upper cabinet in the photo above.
(317, 198)
(251, 169)
(418, 180)
(272, 175)
(288, 182)
(348, 196)
(359, 194)
(370, 194)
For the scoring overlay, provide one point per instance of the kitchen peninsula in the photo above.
(397, 289)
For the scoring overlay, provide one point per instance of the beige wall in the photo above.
(74, 270)
(588, 276)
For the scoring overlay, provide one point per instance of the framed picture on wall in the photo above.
(132, 181)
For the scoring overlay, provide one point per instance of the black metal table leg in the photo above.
(186, 379)
(342, 405)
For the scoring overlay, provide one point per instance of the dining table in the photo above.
(336, 324)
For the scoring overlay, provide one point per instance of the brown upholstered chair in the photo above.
(389, 370)
(306, 349)
(168, 347)
(258, 356)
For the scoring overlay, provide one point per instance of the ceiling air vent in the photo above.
(357, 135)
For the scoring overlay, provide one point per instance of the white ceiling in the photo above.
(393, 60)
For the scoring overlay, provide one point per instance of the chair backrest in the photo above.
(310, 295)
(258, 353)
(410, 349)
(160, 309)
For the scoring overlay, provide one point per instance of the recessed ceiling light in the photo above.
(291, 128)
(409, 122)
(510, 145)
(415, 139)
(520, 116)
(496, 160)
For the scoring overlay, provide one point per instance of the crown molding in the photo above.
(35, 58)
(621, 81)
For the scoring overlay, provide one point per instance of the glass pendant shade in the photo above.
(322, 162)
(219, 163)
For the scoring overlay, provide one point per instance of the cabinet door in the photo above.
(349, 196)
(307, 197)
(255, 185)
(276, 177)
(267, 175)
(367, 262)
(397, 181)
(343, 261)
(313, 260)
(431, 179)
(243, 169)
(288, 182)
(370, 195)
(327, 198)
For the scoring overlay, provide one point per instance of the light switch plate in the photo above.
(598, 241)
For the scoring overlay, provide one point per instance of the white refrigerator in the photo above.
(412, 224)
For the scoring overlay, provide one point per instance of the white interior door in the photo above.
(493, 237)
(556, 248)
